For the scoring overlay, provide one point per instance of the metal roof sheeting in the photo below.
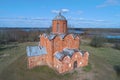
(74, 35)
(62, 36)
(81, 51)
(59, 17)
(67, 52)
(51, 36)
(59, 55)
(35, 51)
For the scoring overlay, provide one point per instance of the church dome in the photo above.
(59, 17)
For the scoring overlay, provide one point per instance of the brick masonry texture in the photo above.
(56, 45)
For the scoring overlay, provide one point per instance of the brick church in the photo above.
(59, 49)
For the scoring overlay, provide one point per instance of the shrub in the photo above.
(117, 46)
(98, 41)
(113, 40)
(117, 70)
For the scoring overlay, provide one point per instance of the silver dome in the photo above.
(59, 17)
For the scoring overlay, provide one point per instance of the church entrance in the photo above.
(75, 64)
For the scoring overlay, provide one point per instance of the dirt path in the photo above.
(14, 54)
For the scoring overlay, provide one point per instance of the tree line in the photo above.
(99, 41)
(18, 35)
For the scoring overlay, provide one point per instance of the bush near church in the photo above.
(98, 41)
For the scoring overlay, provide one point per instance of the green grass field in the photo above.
(101, 65)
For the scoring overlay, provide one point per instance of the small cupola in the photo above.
(59, 24)
(59, 17)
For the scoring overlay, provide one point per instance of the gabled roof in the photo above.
(59, 55)
(74, 35)
(62, 36)
(45, 35)
(51, 36)
(65, 52)
(35, 51)
(82, 52)
(68, 52)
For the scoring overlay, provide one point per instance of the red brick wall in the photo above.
(67, 63)
(58, 65)
(44, 41)
(49, 57)
(70, 42)
(58, 44)
(67, 42)
(85, 58)
(36, 61)
(62, 26)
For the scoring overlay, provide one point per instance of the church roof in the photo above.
(62, 36)
(35, 51)
(65, 52)
(68, 52)
(59, 55)
(59, 17)
(51, 36)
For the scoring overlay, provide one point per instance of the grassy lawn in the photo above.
(101, 60)
(12, 52)
(104, 60)
(14, 66)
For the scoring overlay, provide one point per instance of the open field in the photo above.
(13, 66)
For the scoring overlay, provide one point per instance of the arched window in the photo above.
(58, 27)
(64, 27)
